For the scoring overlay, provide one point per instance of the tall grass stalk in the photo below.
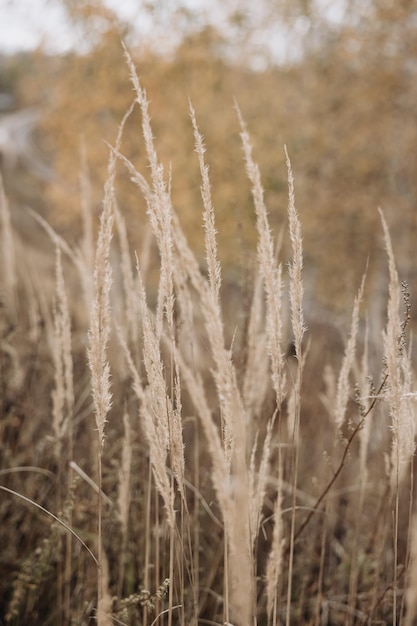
(213, 265)
(275, 557)
(8, 257)
(159, 209)
(298, 326)
(363, 392)
(63, 394)
(402, 415)
(157, 412)
(98, 338)
(256, 376)
(160, 216)
(271, 272)
(343, 387)
(131, 314)
(124, 496)
(155, 408)
(97, 357)
(63, 410)
(271, 275)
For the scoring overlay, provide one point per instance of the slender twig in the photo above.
(54, 517)
(342, 461)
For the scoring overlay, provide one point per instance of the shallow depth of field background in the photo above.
(343, 103)
(334, 84)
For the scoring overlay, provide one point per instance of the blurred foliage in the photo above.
(346, 112)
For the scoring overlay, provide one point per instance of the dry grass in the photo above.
(154, 473)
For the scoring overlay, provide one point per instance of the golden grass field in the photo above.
(175, 451)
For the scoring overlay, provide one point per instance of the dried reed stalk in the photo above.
(275, 556)
(364, 391)
(124, 495)
(159, 209)
(258, 480)
(342, 394)
(298, 326)
(63, 410)
(213, 264)
(99, 331)
(155, 408)
(98, 337)
(296, 266)
(63, 394)
(8, 256)
(104, 608)
(398, 373)
(256, 377)
(237, 514)
(131, 321)
(160, 217)
(271, 273)
(100, 322)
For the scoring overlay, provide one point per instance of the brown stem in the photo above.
(342, 462)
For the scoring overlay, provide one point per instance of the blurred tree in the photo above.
(344, 105)
(360, 141)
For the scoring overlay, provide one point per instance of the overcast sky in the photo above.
(25, 24)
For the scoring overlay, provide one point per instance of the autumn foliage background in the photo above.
(345, 110)
(344, 105)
